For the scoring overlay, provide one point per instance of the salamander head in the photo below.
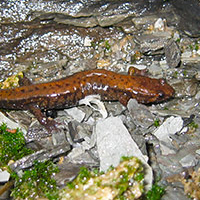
(154, 91)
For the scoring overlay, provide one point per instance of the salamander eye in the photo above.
(161, 95)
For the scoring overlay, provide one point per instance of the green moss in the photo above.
(107, 45)
(191, 47)
(123, 183)
(185, 73)
(96, 172)
(196, 47)
(125, 158)
(12, 145)
(155, 193)
(193, 125)
(84, 175)
(175, 74)
(36, 182)
(139, 176)
(110, 168)
(156, 123)
(102, 43)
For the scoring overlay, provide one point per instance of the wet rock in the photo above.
(184, 107)
(114, 108)
(110, 20)
(105, 12)
(84, 131)
(189, 160)
(127, 26)
(168, 165)
(50, 46)
(24, 119)
(172, 53)
(189, 16)
(144, 22)
(82, 22)
(178, 140)
(164, 65)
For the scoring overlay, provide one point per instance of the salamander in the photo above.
(68, 91)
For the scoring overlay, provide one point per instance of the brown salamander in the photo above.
(68, 91)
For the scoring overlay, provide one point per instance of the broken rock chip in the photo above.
(114, 141)
(171, 126)
(172, 53)
(140, 114)
(4, 176)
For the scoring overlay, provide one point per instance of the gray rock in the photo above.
(172, 53)
(140, 114)
(174, 193)
(186, 87)
(152, 44)
(114, 141)
(189, 16)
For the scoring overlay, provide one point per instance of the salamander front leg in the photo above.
(50, 125)
(124, 99)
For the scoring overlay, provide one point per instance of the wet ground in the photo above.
(49, 40)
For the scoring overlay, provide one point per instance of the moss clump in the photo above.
(193, 125)
(155, 193)
(157, 123)
(12, 145)
(36, 182)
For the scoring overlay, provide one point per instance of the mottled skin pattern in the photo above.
(68, 91)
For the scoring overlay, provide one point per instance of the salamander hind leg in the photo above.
(50, 125)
